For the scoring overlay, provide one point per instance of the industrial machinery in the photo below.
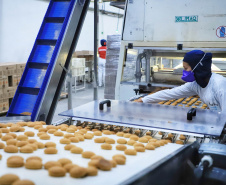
(156, 37)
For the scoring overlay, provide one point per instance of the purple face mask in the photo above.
(188, 76)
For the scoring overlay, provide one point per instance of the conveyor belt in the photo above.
(44, 73)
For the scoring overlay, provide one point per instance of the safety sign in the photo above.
(221, 32)
(192, 18)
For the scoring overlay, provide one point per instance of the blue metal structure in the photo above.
(51, 53)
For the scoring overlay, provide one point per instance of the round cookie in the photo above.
(11, 149)
(139, 149)
(84, 131)
(96, 157)
(131, 142)
(31, 141)
(12, 134)
(5, 130)
(23, 182)
(113, 163)
(78, 172)
(153, 140)
(26, 149)
(69, 166)
(106, 132)
(179, 142)
(11, 142)
(182, 137)
(130, 152)
(50, 150)
(29, 134)
(42, 130)
(106, 146)
(51, 127)
(14, 128)
(93, 162)
(127, 135)
(64, 161)
(161, 143)
(92, 171)
(121, 147)
(21, 143)
(69, 147)
(65, 141)
(76, 150)
(81, 138)
(155, 144)
(134, 137)
(138, 144)
(34, 158)
(110, 141)
(30, 124)
(63, 128)
(104, 165)
(148, 137)
(57, 171)
(45, 137)
(6, 137)
(34, 146)
(50, 144)
(51, 131)
(22, 138)
(8, 179)
(88, 136)
(99, 140)
(58, 133)
(143, 140)
(150, 146)
(15, 162)
(40, 145)
(87, 154)
(97, 133)
(50, 164)
(67, 136)
(74, 139)
(119, 160)
(37, 127)
(33, 164)
(71, 130)
(40, 133)
(120, 134)
(119, 155)
(121, 141)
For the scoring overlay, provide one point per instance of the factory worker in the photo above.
(101, 62)
(210, 87)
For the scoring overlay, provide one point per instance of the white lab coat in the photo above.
(101, 71)
(214, 94)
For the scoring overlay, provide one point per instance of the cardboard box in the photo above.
(8, 69)
(20, 68)
(9, 92)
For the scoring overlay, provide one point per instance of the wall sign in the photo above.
(221, 32)
(191, 18)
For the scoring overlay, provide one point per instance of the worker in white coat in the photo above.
(101, 62)
(210, 87)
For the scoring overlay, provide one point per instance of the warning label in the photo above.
(220, 32)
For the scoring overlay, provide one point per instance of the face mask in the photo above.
(188, 76)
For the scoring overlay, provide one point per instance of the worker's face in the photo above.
(186, 66)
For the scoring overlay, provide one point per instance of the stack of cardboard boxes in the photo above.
(10, 75)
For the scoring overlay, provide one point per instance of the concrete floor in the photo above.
(79, 97)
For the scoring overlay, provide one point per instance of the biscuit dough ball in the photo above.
(22, 138)
(63, 128)
(113, 163)
(134, 137)
(81, 138)
(8, 179)
(3, 125)
(23, 182)
(138, 144)
(11, 142)
(149, 146)
(120, 134)
(40, 145)
(6, 137)
(58, 133)
(69, 166)
(118, 155)
(34, 146)
(29, 134)
(131, 142)
(88, 136)
(97, 133)
(106, 146)
(65, 141)
(96, 157)
(57, 171)
(2, 145)
(139, 149)
(99, 140)
(91, 171)
(127, 135)
(69, 147)
(74, 139)
(12, 134)
(26, 149)
(121, 147)
(130, 152)
(11, 149)
(71, 130)
(179, 142)
(68, 136)
(5, 130)
(119, 160)
(31, 141)
(64, 161)
(148, 137)
(50, 150)
(51, 131)
(14, 128)
(93, 162)
(42, 130)
(155, 144)
(106, 132)
(15, 162)
(50, 144)
(34, 158)
(40, 133)
(148, 133)
(76, 150)
(33, 164)
(110, 141)
(51, 127)
(87, 154)
(182, 137)
(104, 165)
(121, 141)
(44, 137)
(78, 172)
(36, 127)
(153, 140)
(143, 140)
(30, 124)
(50, 164)
(161, 143)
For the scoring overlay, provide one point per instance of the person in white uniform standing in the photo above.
(210, 87)
(101, 62)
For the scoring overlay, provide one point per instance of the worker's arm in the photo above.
(188, 89)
